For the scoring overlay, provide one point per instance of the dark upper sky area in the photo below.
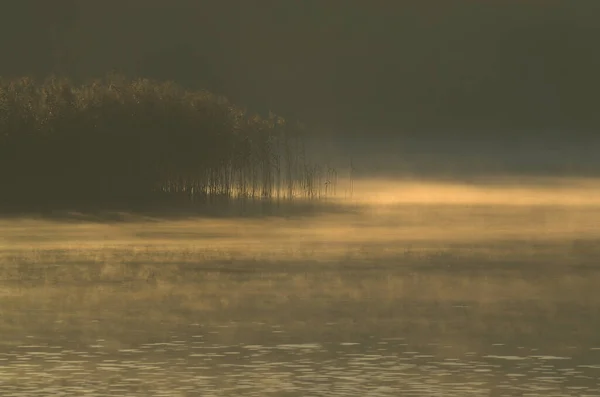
(470, 67)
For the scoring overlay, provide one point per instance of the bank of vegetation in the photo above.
(134, 144)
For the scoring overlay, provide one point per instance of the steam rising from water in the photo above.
(503, 191)
(379, 216)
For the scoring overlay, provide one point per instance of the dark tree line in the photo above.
(134, 143)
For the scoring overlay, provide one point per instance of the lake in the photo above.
(451, 293)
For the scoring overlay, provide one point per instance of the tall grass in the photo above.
(134, 143)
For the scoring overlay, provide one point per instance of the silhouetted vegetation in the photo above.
(136, 143)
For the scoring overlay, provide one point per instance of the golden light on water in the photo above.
(380, 213)
(492, 191)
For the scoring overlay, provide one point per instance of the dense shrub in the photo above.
(119, 142)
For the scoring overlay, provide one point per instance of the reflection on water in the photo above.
(387, 300)
(193, 362)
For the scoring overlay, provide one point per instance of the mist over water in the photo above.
(392, 286)
(498, 190)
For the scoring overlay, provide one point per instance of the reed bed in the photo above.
(118, 142)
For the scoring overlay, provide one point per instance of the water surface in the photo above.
(467, 298)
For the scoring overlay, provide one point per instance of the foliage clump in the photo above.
(120, 142)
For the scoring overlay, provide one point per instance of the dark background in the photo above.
(448, 85)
